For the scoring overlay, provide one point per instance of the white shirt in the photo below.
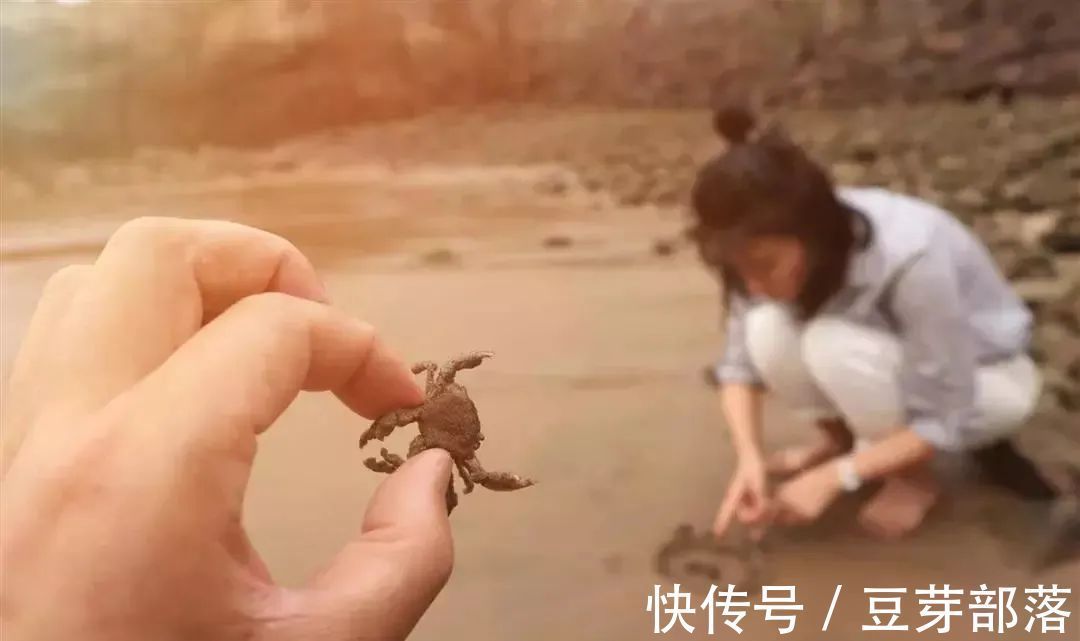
(927, 279)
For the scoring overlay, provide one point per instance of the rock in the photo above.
(1032, 265)
(1007, 252)
(848, 173)
(1068, 267)
(988, 228)
(1040, 292)
(1064, 307)
(282, 165)
(669, 195)
(1016, 188)
(636, 197)
(970, 197)
(1068, 396)
(664, 247)
(1065, 237)
(930, 195)
(1003, 120)
(865, 152)
(1050, 402)
(594, 183)
(1052, 187)
(1031, 228)
(1063, 310)
(1028, 203)
(1048, 405)
(944, 43)
(1003, 227)
(441, 256)
(1072, 166)
(557, 242)
(552, 185)
(1060, 347)
(952, 163)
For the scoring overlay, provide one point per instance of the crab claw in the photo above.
(376, 465)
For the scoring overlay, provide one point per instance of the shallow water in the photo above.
(594, 390)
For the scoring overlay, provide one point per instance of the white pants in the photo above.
(850, 371)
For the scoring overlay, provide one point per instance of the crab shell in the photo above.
(449, 421)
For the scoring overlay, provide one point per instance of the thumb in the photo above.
(382, 582)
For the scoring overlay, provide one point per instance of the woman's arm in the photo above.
(740, 384)
(741, 404)
(746, 497)
(898, 451)
(806, 497)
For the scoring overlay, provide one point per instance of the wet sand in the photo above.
(595, 391)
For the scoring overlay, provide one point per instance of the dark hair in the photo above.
(766, 185)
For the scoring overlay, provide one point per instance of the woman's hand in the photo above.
(806, 497)
(130, 431)
(746, 498)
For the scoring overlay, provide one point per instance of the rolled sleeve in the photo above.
(735, 365)
(939, 363)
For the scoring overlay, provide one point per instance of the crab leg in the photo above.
(388, 464)
(466, 477)
(387, 423)
(429, 367)
(451, 496)
(465, 361)
(417, 445)
(498, 481)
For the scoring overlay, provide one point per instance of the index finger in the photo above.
(157, 281)
(727, 512)
(263, 352)
(259, 354)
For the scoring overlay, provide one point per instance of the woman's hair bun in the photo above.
(734, 123)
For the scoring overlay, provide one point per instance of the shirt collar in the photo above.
(867, 266)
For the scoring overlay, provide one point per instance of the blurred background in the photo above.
(512, 175)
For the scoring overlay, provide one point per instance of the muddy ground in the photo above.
(533, 236)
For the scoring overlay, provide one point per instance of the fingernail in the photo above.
(384, 365)
(324, 291)
(438, 459)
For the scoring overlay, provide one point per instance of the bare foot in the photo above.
(900, 506)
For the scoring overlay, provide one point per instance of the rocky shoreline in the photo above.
(108, 77)
(1011, 173)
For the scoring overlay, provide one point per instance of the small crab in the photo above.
(690, 556)
(447, 420)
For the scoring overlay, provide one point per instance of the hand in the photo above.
(131, 423)
(746, 497)
(805, 498)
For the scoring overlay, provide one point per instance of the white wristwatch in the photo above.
(845, 469)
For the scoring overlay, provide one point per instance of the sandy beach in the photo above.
(595, 391)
